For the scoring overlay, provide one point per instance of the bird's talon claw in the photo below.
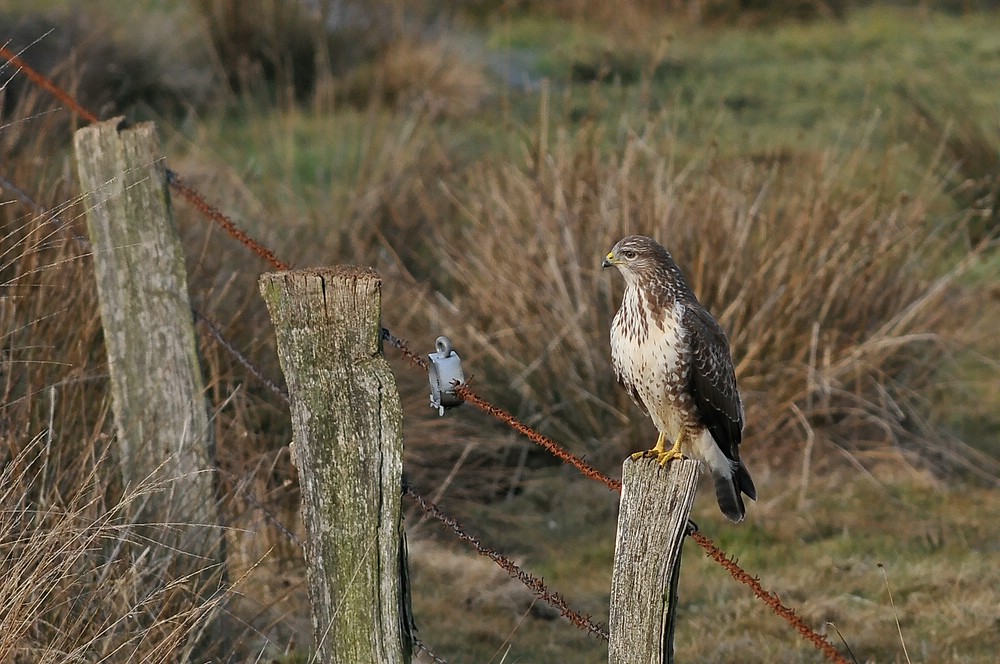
(663, 458)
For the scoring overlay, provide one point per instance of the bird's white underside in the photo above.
(649, 362)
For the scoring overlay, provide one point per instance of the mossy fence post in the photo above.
(348, 447)
(163, 432)
(652, 523)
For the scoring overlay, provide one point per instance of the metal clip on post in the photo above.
(444, 372)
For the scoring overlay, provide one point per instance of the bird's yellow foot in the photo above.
(663, 456)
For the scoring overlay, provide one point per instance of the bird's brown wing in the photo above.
(713, 380)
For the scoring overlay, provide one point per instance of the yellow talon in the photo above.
(666, 456)
(663, 456)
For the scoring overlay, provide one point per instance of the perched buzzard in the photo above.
(674, 360)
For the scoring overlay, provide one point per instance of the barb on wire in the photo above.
(534, 584)
(404, 349)
(423, 647)
(468, 395)
(185, 190)
(47, 84)
(772, 600)
(550, 445)
(255, 371)
(227, 224)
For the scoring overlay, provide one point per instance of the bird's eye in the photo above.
(629, 255)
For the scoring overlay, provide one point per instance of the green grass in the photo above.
(790, 87)
(773, 94)
(822, 558)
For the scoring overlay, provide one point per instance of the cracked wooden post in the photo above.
(652, 522)
(163, 431)
(347, 434)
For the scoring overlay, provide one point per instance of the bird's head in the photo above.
(636, 255)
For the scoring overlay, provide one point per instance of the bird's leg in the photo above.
(666, 456)
(659, 450)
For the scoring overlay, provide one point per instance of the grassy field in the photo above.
(828, 557)
(830, 187)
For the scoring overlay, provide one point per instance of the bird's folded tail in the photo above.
(728, 490)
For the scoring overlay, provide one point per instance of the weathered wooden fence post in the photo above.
(652, 522)
(163, 431)
(347, 430)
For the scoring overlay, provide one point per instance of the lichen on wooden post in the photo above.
(652, 522)
(163, 431)
(347, 434)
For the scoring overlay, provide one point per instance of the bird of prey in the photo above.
(673, 358)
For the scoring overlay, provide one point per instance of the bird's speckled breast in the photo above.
(650, 356)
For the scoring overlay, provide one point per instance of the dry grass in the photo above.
(844, 296)
(840, 302)
(841, 293)
(81, 581)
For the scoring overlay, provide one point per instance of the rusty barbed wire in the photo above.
(531, 582)
(535, 584)
(253, 369)
(47, 84)
(468, 395)
(199, 202)
(769, 598)
(550, 445)
(173, 178)
(404, 349)
(420, 645)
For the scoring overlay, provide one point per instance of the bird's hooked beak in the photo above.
(609, 260)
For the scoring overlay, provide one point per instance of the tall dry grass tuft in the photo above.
(52, 366)
(79, 579)
(839, 294)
